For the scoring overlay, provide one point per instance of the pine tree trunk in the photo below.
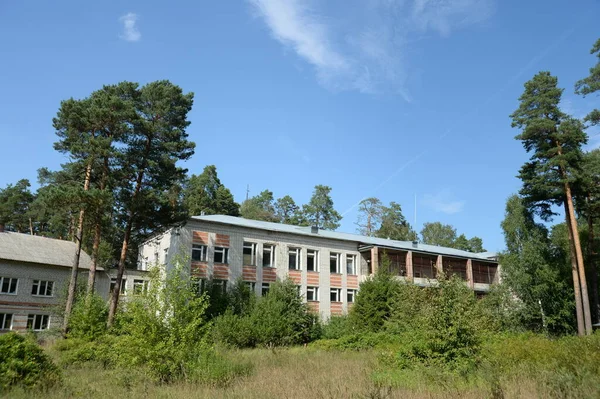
(30, 226)
(92, 275)
(79, 242)
(593, 270)
(576, 284)
(579, 254)
(114, 302)
(97, 236)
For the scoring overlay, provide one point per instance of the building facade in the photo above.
(34, 277)
(327, 266)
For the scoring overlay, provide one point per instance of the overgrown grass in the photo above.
(511, 366)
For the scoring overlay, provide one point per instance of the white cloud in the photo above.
(444, 202)
(131, 32)
(364, 45)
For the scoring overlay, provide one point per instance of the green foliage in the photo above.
(259, 207)
(24, 363)
(394, 225)
(373, 304)
(205, 194)
(278, 319)
(88, 319)
(591, 84)
(337, 327)
(531, 271)
(15, 204)
(320, 211)
(444, 235)
(288, 212)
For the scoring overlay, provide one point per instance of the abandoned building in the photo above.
(34, 277)
(327, 266)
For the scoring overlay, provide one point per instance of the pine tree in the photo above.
(320, 211)
(555, 141)
(148, 166)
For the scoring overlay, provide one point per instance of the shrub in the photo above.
(373, 305)
(88, 319)
(337, 327)
(281, 318)
(278, 319)
(23, 362)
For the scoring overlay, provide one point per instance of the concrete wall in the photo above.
(24, 303)
(179, 243)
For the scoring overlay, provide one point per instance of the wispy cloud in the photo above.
(364, 45)
(443, 202)
(130, 32)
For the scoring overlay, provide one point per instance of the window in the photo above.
(312, 260)
(8, 285)
(351, 294)
(335, 295)
(294, 258)
(221, 255)
(42, 288)
(249, 254)
(350, 264)
(199, 252)
(38, 322)
(312, 294)
(113, 283)
(268, 255)
(140, 287)
(219, 286)
(334, 263)
(265, 289)
(6, 321)
(199, 285)
(251, 285)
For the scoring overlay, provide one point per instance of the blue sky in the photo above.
(377, 98)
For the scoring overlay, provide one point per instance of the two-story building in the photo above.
(327, 266)
(34, 277)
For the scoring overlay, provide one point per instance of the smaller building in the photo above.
(34, 278)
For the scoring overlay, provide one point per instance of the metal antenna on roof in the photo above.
(247, 191)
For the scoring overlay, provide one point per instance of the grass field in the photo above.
(300, 373)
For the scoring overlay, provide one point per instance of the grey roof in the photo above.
(359, 239)
(40, 250)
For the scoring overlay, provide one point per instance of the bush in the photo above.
(278, 319)
(337, 327)
(23, 362)
(88, 319)
(373, 305)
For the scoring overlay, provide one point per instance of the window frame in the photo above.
(203, 249)
(271, 257)
(265, 288)
(224, 251)
(354, 270)
(297, 253)
(336, 256)
(3, 319)
(10, 279)
(113, 284)
(315, 293)
(220, 284)
(338, 294)
(350, 292)
(36, 286)
(315, 257)
(251, 285)
(253, 254)
(32, 319)
(145, 284)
